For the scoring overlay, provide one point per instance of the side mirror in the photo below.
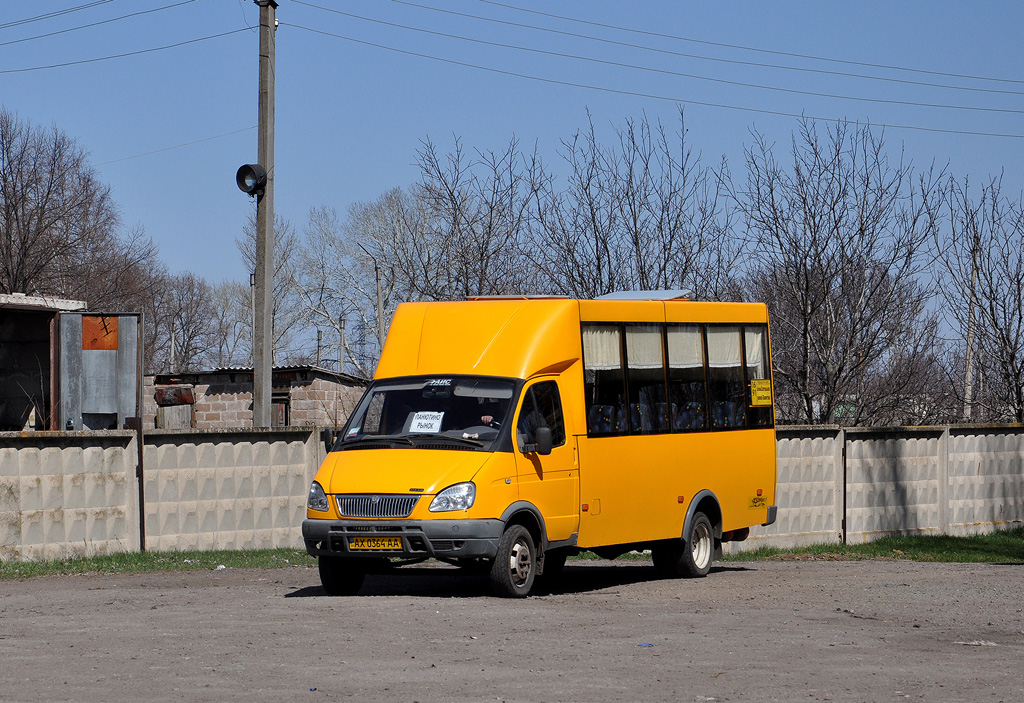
(544, 441)
(327, 435)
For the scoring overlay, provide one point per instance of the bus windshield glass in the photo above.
(436, 412)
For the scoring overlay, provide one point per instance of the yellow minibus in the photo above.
(510, 433)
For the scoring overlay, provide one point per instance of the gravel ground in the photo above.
(761, 631)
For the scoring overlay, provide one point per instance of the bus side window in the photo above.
(604, 381)
(646, 382)
(542, 407)
(686, 387)
(755, 342)
(726, 389)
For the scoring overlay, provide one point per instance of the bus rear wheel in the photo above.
(689, 558)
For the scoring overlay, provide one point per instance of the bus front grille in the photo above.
(376, 506)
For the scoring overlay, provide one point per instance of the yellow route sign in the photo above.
(760, 392)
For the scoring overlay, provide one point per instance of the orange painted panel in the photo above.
(99, 332)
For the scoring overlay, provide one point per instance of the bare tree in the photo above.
(287, 310)
(113, 272)
(477, 221)
(643, 214)
(338, 279)
(982, 262)
(180, 333)
(840, 242)
(232, 323)
(459, 232)
(59, 229)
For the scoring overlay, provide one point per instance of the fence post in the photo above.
(943, 481)
(839, 464)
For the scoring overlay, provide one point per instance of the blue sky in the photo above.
(351, 115)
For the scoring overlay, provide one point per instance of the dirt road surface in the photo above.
(765, 631)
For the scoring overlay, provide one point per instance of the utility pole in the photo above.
(380, 308)
(381, 334)
(263, 342)
(969, 365)
(341, 344)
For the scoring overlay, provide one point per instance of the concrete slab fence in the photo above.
(68, 494)
(854, 485)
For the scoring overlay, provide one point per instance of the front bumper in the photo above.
(454, 539)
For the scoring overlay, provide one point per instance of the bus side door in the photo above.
(550, 482)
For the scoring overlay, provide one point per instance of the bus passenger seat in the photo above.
(640, 416)
(727, 414)
(719, 414)
(698, 415)
(661, 417)
(601, 418)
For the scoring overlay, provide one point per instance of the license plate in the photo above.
(376, 543)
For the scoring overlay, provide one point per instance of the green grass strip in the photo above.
(1003, 547)
(143, 562)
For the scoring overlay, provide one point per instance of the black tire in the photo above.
(341, 577)
(514, 568)
(700, 548)
(689, 558)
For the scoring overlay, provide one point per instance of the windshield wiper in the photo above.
(373, 440)
(465, 441)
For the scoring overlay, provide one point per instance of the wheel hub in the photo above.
(520, 562)
(700, 550)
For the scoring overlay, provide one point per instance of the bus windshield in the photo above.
(436, 412)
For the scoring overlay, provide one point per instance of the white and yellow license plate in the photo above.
(376, 543)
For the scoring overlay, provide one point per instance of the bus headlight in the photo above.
(317, 498)
(457, 497)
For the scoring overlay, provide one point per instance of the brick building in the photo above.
(222, 398)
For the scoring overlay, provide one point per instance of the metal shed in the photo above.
(64, 368)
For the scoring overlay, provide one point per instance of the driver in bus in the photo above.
(491, 412)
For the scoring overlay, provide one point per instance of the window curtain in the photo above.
(685, 347)
(643, 347)
(723, 347)
(601, 350)
(754, 342)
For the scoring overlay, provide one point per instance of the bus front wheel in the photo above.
(515, 565)
(690, 558)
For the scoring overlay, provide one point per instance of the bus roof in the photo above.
(520, 337)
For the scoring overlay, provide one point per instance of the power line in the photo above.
(758, 50)
(683, 101)
(176, 146)
(121, 56)
(95, 24)
(701, 57)
(57, 13)
(619, 64)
